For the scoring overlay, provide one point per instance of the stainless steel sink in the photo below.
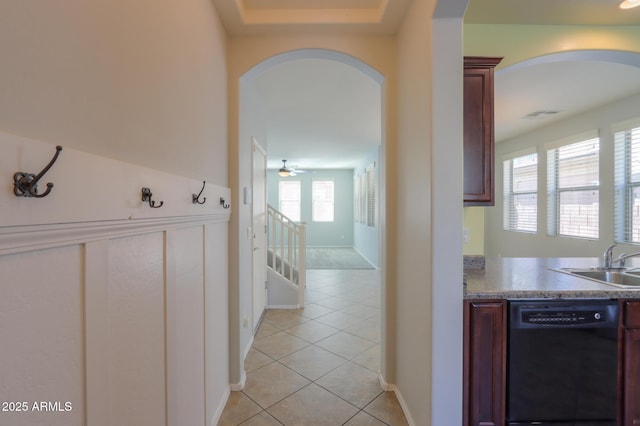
(616, 277)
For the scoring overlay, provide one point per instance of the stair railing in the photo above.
(287, 249)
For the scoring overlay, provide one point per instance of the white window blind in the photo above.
(574, 189)
(371, 195)
(289, 198)
(364, 196)
(356, 199)
(363, 199)
(322, 201)
(627, 185)
(521, 193)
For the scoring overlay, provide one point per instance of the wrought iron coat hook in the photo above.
(196, 198)
(26, 184)
(146, 197)
(222, 203)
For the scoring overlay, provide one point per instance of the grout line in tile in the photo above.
(333, 283)
(352, 404)
(256, 415)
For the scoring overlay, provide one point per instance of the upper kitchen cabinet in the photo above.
(478, 130)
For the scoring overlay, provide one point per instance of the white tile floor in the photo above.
(318, 365)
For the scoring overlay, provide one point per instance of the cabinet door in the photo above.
(485, 363)
(631, 377)
(478, 131)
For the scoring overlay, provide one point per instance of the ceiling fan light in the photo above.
(628, 4)
(284, 171)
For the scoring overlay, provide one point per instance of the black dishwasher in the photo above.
(562, 362)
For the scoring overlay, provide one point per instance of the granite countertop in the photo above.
(506, 278)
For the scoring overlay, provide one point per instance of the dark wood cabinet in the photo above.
(630, 364)
(478, 131)
(485, 362)
(485, 348)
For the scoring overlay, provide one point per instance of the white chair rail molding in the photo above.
(114, 291)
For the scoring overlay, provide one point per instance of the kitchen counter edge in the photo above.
(536, 278)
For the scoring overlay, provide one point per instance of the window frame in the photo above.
(510, 194)
(624, 186)
(555, 192)
(331, 201)
(299, 200)
(371, 195)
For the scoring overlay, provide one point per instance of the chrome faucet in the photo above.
(607, 258)
(624, 256)
(608, 262)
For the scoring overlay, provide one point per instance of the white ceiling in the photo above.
(320, 113)
(324, 114)
(255, 17)
(550, 12)
(569, 86)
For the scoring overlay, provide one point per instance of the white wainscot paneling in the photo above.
(216, 319)
(136, 331)
(185, 326)
(117, 308)
(41, 337)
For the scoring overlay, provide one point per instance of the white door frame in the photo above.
(258, 242)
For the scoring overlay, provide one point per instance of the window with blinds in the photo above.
(573, 185)
(371, 195)
(521, 193)
(364, 196)
(322, 201)
(362, 209)
(627, 184)
(356, 199)
(289, 199)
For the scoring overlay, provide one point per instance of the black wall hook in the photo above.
(26, 184)
(146, 197)
(222, 203)
(196, 198)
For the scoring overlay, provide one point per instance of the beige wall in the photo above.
(140, 81)
(473, 225)
(413, 227)
(111, 305)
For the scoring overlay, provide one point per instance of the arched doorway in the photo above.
(252, 125)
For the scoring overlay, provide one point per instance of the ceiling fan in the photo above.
(285, 171)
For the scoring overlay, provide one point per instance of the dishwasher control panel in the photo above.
(563, 317)
(563, 313)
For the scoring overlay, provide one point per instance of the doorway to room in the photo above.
(264, 115)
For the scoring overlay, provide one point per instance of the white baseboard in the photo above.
(366, 258)
(404, 407)
(388, 387)
(247, 348)
(236, 387)
(223, 403)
